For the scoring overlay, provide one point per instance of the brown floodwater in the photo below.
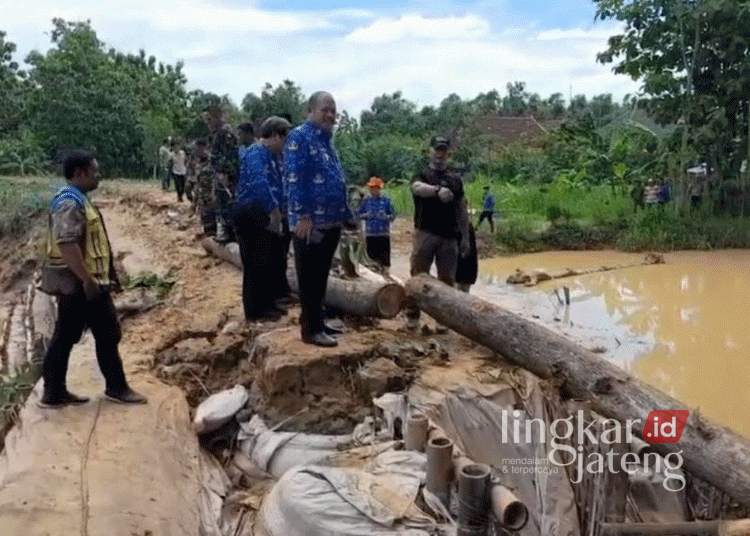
(681, 326)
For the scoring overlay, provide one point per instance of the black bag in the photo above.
(59, 280)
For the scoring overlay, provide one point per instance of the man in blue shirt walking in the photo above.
(488, 209)
(256, 216)
(318, 208)
(377, 212)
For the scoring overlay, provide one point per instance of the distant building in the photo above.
(508, 130)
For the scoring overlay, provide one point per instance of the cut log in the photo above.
(709, 451)
(381, 299)
(359, 297)
(226, 252)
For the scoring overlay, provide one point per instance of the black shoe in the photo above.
(321, 339)
(65, 399)
(330, 329)
(128, 396)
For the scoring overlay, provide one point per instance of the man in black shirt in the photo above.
(441, 221)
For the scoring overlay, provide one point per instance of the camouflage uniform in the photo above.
(225, 159)
(202, 174)
(190, 176)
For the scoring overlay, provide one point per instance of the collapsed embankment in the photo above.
(140, 469)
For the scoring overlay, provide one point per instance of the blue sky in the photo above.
(357, 50)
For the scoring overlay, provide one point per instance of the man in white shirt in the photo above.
(179, 169)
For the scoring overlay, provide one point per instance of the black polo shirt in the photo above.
(430, 213)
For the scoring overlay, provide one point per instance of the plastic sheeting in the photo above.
(77, 470)
(324, 501)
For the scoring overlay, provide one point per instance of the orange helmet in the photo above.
(375, 182)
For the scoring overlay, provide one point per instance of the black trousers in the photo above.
(379, 249)
(179, 185)
(313, 261)
(258, 248)
(74, 313)
(279, 260)
(486, 215)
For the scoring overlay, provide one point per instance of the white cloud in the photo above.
(357, 54)
(418, 26)
(601, 32)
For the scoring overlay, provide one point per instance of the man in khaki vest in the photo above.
(79, 272)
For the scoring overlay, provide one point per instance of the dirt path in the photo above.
(103, 468)
(137, 470)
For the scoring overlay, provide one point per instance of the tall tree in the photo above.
(390, 114)
(120, 106)
(12, 89)
(286, 100)
(693, 59)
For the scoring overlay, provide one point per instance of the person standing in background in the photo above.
(377, 213)
(246, 137)
(202, 172)
(488, 210)
(224, 156)
(179, 169)
(165, 158)
(467, 267)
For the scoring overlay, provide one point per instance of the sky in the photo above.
(355, 49)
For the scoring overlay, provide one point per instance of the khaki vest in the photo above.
(96, 249)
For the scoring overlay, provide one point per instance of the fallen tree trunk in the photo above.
(358, 296)
(711, 452)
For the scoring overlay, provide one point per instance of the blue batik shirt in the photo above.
(378, 214)
(489, 202)
(314, 179)
(260, 178)
(242, 149)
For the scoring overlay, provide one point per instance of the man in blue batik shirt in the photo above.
(377, 212)
(318, 209)
(257, 219)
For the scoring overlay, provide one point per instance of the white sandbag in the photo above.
(331, 501)
(218, 409)
(277, 452)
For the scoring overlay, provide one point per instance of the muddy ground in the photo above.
(198, 340)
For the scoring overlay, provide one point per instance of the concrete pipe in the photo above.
(510, 512)
(473, 500)
(416, 432)
(440, 468)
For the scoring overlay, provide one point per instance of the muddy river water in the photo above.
(682, 326)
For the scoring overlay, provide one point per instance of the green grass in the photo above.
(596, 203)
(22, 199)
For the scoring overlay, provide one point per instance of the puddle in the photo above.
(680, 326)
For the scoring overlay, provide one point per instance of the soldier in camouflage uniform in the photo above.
(225, 160)
(202, 172)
